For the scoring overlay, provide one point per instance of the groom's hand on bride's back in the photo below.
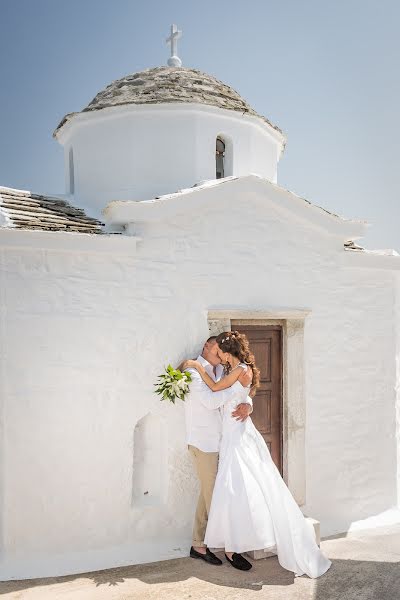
(242, 411)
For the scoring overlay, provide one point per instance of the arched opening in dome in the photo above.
(223, 156)
(219, 158)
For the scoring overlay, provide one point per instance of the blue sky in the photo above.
(326, 72)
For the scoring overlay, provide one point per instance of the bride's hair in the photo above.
(237, 344)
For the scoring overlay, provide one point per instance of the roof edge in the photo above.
(25, 210)
(109, 111)
(123, 212)
(197, 83)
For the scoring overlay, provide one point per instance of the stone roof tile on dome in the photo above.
(164, 85)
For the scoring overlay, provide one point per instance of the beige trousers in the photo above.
(206, 464)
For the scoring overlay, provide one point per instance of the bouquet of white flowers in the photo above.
(174, 384)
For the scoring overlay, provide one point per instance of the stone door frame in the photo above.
(293, 389)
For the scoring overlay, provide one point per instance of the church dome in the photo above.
(160, 130)
(166, 85)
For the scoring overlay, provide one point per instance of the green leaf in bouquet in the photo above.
(188, 375)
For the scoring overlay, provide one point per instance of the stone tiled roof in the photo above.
(25, 210)
(351, 245)
(168, 85)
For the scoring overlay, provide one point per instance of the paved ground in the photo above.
(366, 566)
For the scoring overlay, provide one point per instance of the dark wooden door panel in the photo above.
(266, 345)
(262, 412)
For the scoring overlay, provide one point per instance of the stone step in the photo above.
(258, 554)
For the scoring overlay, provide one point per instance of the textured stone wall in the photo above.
(84, 335)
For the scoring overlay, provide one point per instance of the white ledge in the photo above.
(263, 313)
(370, 259)
(121, 111)
(63, 241)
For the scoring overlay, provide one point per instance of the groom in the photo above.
(203, 432)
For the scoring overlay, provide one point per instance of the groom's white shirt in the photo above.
(203, 417)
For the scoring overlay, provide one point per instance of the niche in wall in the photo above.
(150, 464)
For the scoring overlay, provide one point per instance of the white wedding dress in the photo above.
(252, 508)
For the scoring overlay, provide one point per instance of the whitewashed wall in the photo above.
(83, 336)
(139, 152)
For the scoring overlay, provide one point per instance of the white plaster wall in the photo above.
(84, 335)
(139, 152)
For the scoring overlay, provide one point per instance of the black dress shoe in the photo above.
(239, 562)
(208, 557)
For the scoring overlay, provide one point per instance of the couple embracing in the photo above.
(244, 504)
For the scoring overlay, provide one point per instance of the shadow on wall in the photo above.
(150, 468)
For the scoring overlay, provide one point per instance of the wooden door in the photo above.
(266, 345)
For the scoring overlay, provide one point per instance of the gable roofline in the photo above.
(131, 211)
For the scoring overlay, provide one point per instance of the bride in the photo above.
(251, 507)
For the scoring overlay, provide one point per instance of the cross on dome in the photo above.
(174, 60)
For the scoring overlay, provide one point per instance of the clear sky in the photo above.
(325, 71)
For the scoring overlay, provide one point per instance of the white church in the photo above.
(173, 225)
